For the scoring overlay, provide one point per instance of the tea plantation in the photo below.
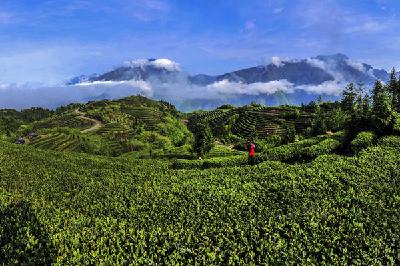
(79, 209)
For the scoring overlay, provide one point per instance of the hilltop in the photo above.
(132, 124)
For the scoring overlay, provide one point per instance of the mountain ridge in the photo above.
(309, 71)
(283, 81)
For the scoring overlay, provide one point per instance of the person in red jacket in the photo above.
(252, 153)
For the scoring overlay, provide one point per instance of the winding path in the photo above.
(96, 123)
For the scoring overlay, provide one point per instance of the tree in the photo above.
(393, 87)
(203, 139)
(393, 82)
(336, 120)
(378, 89)
(349, 98)
(318, 124)
(382, 109)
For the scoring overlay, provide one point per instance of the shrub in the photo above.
(137, 145)
(155, 139)
(390, 141)
(362, 141)
(396, 123)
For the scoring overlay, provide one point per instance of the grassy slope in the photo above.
(250, 120)
(80, 209)
(120, 120)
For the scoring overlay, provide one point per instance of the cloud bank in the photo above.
(25, 96)
(176, 89)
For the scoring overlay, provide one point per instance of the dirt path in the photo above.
(96, 123)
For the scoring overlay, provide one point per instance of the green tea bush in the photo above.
(390, 141)
(77, 209)
(237, 160)
(362, 141)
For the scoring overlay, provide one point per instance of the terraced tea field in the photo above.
(77, 209)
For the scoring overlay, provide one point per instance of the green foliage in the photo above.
(393, 88)
(155, 139)
(382, 113)
(290, 135)
(337, 119)
(23, 240)
(121, 125)
(396, 123)
(61, 120)
(349, 98)
(77, 209)
(203, 139)
(301, 151)
(318, 124)
(175, 130)
(137, 145)
(363, 140)
(252, 121)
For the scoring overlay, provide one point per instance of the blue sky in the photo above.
(49, 41)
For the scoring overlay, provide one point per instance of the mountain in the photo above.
(82, 79)
(283, 81)
(310, 71)
(143, 69)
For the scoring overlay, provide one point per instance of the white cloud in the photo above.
(277, 61)
(139, 84)
(317, 63)
(280, 61)
(367, 27)
(159, 63)
(328, 88)
(28, 95)
(328, 66)
(356, 65)
(238, 88)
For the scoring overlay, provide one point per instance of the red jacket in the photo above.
(252, 150)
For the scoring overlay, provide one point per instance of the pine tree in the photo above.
(349, 98)
(378, 89)
(396, 97)
(393, 82)
(382, 109)
(393, 87)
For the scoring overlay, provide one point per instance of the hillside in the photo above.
(321, 187)
(255, 121)
(132, 124)
(67, 208)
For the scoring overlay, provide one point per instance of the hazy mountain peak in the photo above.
(333, 57)
(161, 63)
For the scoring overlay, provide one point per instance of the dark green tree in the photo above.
(393, 82)
(393, 87)
(349, 98)
(203, 139)
(382, 109)
(318, 124)
(378, 89)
